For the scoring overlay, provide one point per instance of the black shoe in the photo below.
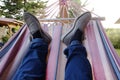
(35, 27)
(80, 23)
(77, 36)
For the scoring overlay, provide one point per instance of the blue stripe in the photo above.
(7, 48)
(58, 55)
(114, 66)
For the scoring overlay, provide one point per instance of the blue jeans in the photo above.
(77, 66)
(33, 66)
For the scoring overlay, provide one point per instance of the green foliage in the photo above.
(35, 7)
(114, 35)
(118, 51)
(75, 7)
(11, 8)
(71, 15)
(15, 29)
(9, 32)
(5, 39)
(15, 8)
(78, 1)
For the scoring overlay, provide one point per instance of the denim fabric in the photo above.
(77, 66)
(33, 66)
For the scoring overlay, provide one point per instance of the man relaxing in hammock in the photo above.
(33, 66)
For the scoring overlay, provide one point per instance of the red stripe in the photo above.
(11, 39)
(97, 66)
(20, 55)
(6, 60)
(116, 57)
(53, 58)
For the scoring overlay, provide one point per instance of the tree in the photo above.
(37, 7)
(15, 8)
(75, 7)
(114, 37)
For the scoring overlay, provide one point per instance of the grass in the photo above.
(118, 51)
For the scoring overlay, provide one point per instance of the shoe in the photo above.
(77, 36)
(80, 23)
(34, 26)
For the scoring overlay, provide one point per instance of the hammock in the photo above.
(101, 54)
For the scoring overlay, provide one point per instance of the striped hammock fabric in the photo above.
(101, 54)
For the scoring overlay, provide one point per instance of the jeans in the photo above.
(77, 66)
(33, 66)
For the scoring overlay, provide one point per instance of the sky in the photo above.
(110, 9)
(104, 8)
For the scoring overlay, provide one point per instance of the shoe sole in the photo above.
(73, 29)
(44, 34)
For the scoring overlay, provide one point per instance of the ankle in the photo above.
(37, 35)
(77, 36)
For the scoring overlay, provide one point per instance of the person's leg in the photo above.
(77, 66)
(33, 66)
